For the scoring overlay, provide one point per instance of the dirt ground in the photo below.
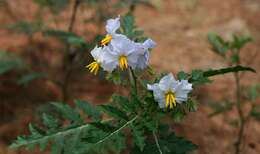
(180, 29)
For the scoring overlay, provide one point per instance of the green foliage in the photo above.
(253, 92)
(56, 6)
(129, 28)
(198, 77)
(114, 112)
(89, 109)
(81, 137)
(10, 62)
(255, 113)
(86, 128)
(66, 37)
(219, 46)
(240, 41)
(169, 144)
(220, 107)
(28, 28)
(27, 78)
(234, 69)
(234, 46)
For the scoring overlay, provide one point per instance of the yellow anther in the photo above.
(93, 67)
(106, 40)
(170, 100)
(123, 64)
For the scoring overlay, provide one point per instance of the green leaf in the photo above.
(35, 132)
(170, 144)
(182, 75)
(138, 135)
(50, 122)
(218, 44)
(114, 112)
(68, 113)
(27, 78)
(58, 145)
(103, 126)
(129, 27)
(124, 103)
(89, 109)
(198, 77)
(66, 37)
(240, 41)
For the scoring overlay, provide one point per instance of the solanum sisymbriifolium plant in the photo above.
(230, 50)
(132, 123)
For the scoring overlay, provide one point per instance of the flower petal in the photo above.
(112, 25)
(149, 43)
(158, 94)
(168, 82)
(182, 91)
(96, 52)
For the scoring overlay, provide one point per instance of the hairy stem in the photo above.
(157, 143)
(241, 116)
(133, 79)
(68, 57)
(239, 108)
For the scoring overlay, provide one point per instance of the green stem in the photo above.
(133, 80)
(241, 116)
(68, 57)
(239, 107)
(157, 143)
(118, 130)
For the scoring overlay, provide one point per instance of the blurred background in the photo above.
(45, 45)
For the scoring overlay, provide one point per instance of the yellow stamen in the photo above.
(106, 40)
(93, 67)
(170, 100)
(123, 64)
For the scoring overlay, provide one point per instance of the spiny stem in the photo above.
(133, 79)
(67, 56)
(241, 116)
(239, 109)
(157, 143)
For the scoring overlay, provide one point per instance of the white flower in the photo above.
(97, 54)
(143, 49)
(169, 91)
(112, 26)
(121, 52)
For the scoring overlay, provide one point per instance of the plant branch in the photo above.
(50, 136)
(67, 56)
(118, 130)
(241, 116)
(133, 79)
(239, 108)
(157, 143)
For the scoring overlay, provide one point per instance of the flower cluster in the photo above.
(118, 51)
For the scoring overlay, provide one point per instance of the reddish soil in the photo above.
(180, 29)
